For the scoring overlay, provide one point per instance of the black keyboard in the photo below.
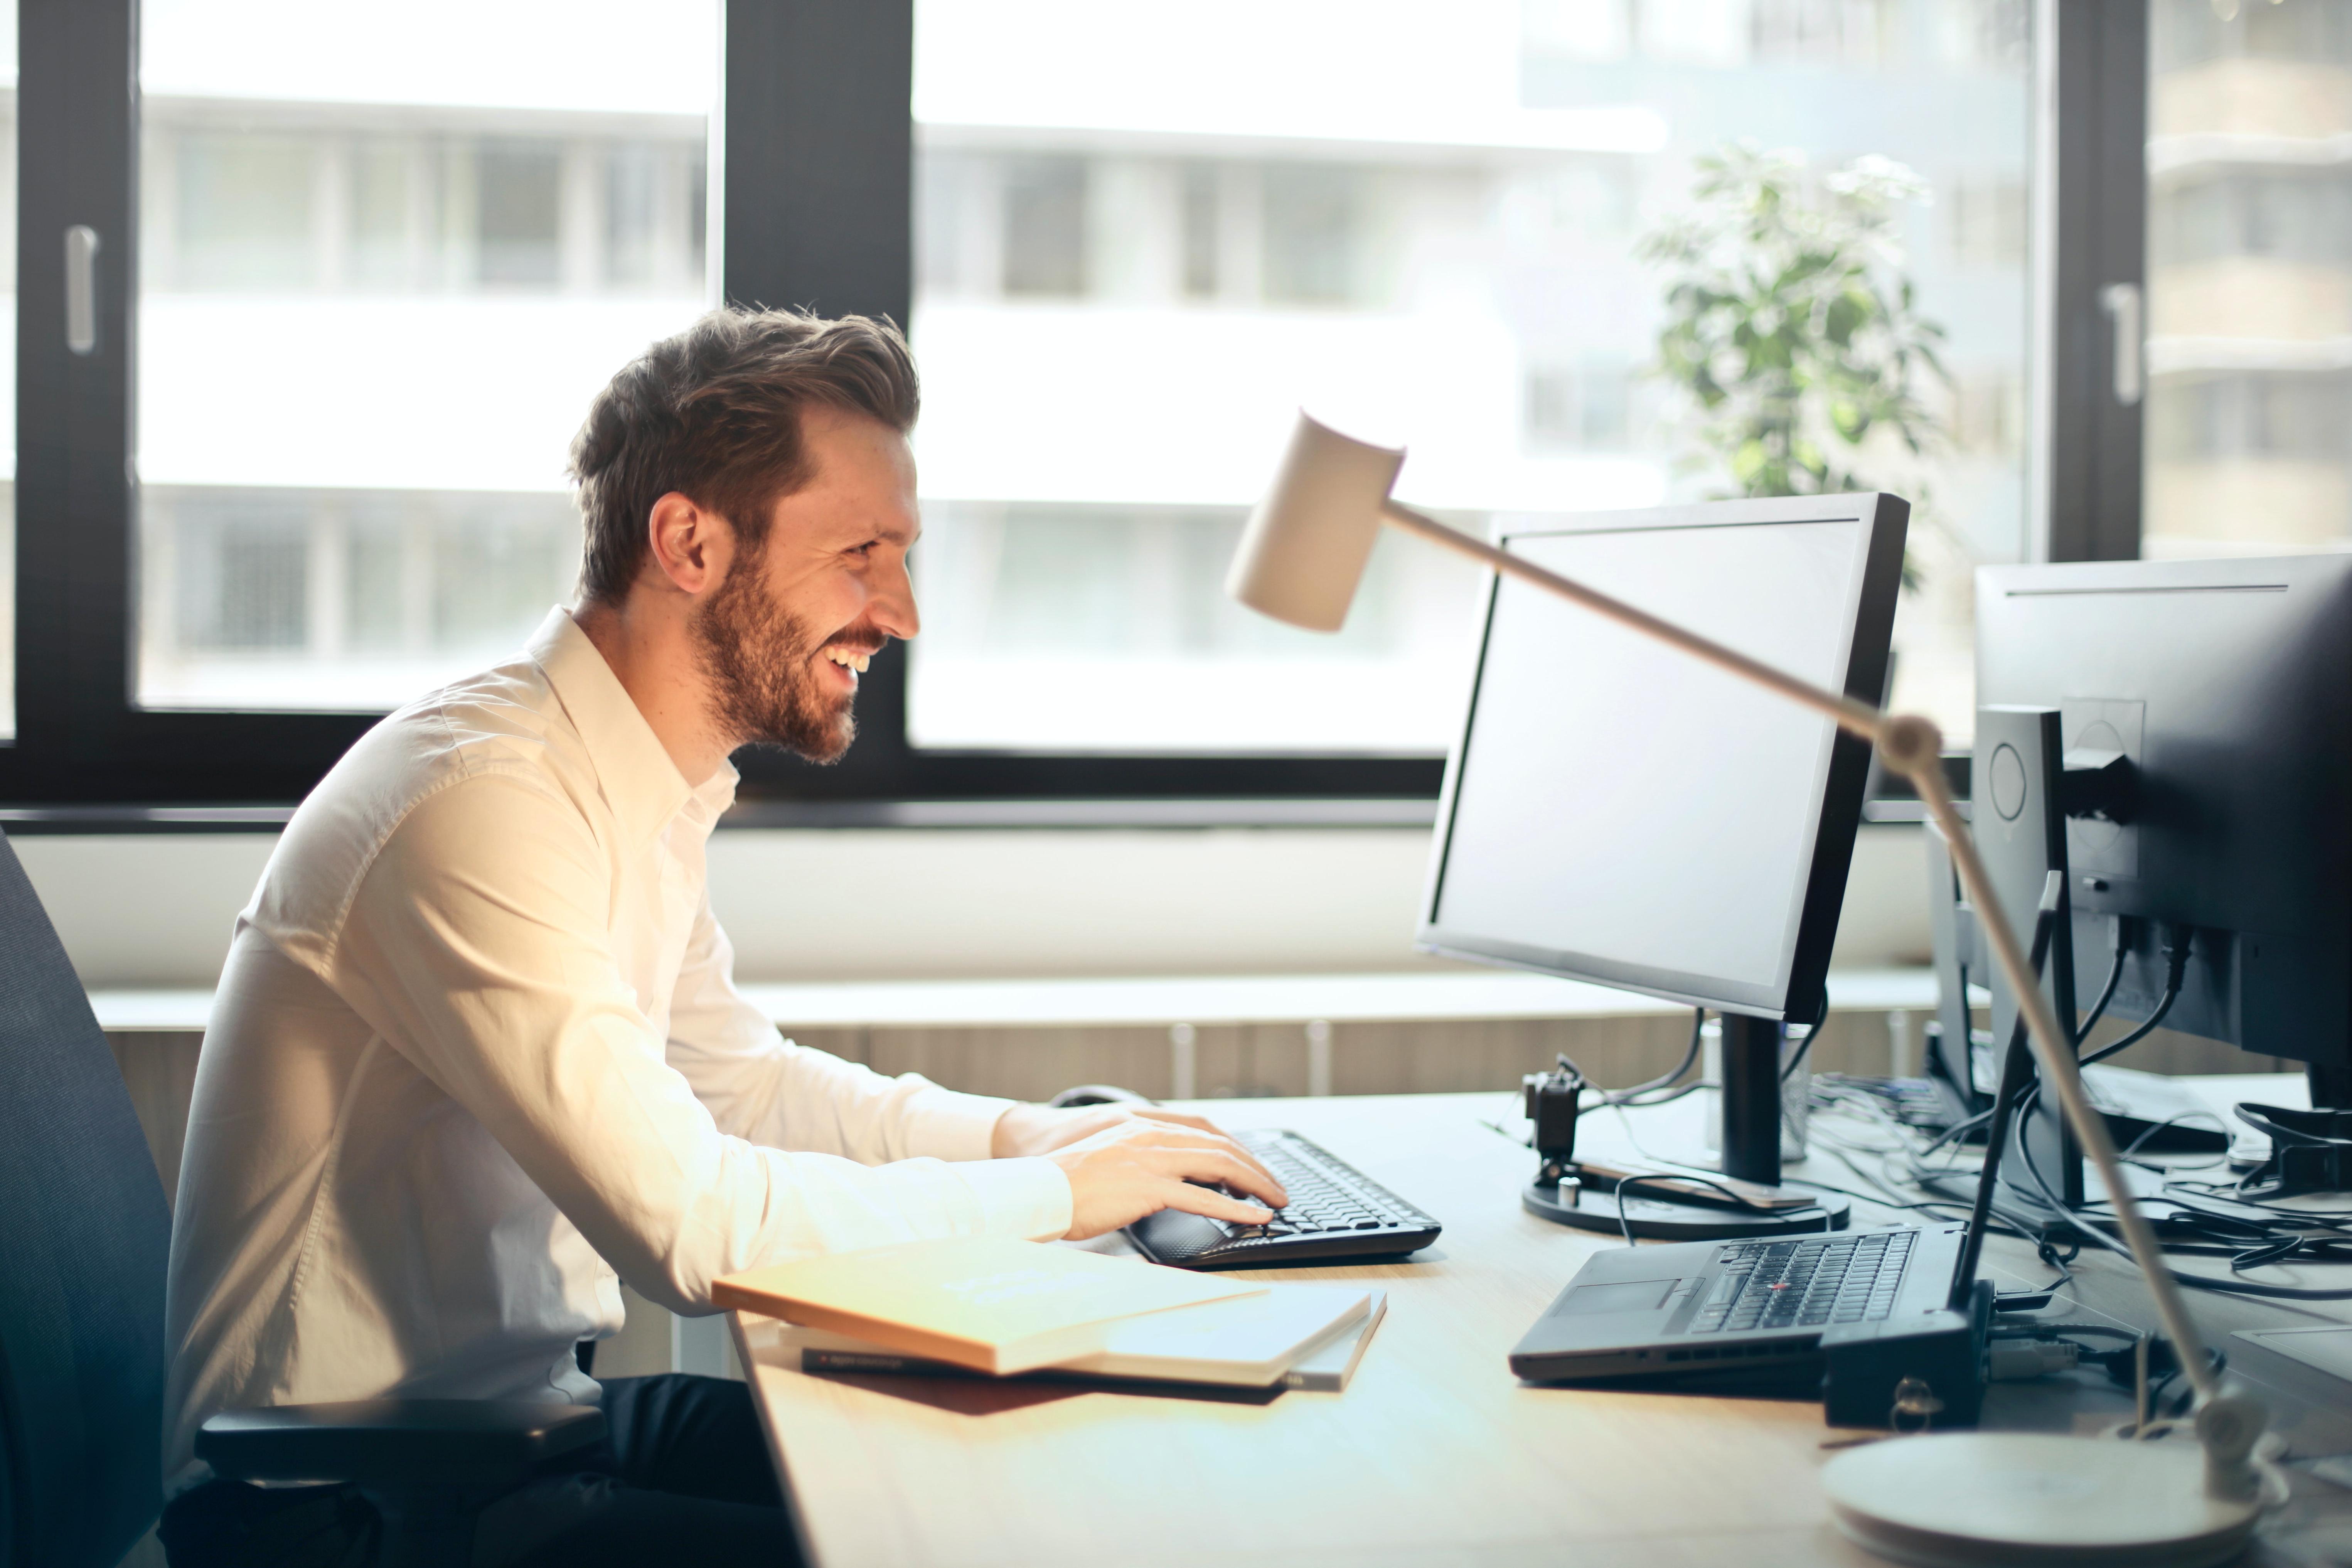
(1335, 1212)
(1789, 1284)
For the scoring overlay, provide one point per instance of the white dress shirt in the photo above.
(478, 1056)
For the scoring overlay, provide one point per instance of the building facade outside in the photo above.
(378, 286)
(2250, 277)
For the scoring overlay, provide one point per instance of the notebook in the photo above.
(990, 1303)
(1251, 1342)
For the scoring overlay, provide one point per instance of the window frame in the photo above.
(815, 183)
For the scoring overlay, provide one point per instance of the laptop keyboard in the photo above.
(1801, 1284)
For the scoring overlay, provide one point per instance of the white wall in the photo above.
(156, 909)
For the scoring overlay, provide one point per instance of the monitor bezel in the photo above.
(1802, 997)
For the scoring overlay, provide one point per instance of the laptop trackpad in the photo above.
(1635, 1296)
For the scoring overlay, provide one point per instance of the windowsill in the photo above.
(866, 815)
(22, 821)
(1081, 814)
(1154, 1001)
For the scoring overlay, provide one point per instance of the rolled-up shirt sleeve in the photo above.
(477, 943)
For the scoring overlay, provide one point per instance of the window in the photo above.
(380, 281)
(1142, 250)
(2249, 430)
(9, 393)
(1044, 226)
(361, 268)
(1318, 224)
(1989, 223)
(1586, 408)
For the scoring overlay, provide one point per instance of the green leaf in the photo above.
(1749, 461)
(1787, 325)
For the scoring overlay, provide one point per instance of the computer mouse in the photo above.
(1099, 1094)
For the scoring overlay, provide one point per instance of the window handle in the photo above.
(2121, 302)
(81, 289)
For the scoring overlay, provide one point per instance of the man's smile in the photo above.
(848, 660)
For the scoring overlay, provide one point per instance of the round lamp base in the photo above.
(1654, 1218)
(1971, 1499)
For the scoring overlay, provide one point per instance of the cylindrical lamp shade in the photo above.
(1303, 550)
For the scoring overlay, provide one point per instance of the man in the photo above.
(477, 1056)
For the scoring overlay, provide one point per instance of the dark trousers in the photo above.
(681, 1476)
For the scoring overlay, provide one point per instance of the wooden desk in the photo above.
(1434, 1455)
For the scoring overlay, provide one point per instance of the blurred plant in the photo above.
(1791, 328)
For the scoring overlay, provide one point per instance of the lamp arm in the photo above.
(1859, 718)
(1913, 747)
(2064, 1077)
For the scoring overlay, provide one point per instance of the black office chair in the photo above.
(84, 1233)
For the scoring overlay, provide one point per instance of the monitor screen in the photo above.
(1617, 811)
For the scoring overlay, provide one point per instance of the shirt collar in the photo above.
(641, 783)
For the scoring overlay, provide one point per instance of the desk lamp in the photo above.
(1962, 1498)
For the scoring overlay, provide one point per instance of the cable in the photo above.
(1666, 1082)
(2176, 953)
(2107, 991)
(2323, 1218)
(2194, 1281)
(2153, 1128)
(1625, 1226)
(1626, 1096)
(2021, 1331)
(1957, 1130)
(2232, 1236)
(1664, 1096)
(1797, 1056)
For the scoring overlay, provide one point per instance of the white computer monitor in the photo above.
(1617, 812)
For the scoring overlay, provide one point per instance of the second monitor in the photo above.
(1616, 812)
(2218, 901)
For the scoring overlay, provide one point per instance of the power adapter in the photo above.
(2015, 1361)
(1924, 1371)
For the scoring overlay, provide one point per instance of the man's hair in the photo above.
(714, 415)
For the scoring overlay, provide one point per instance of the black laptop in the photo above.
(1726, 1315)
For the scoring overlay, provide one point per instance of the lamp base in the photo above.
(1974, 1500)
(1663, 1219)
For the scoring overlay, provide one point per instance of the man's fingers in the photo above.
(1194, 1199)
(1211, 1142)
(1181, 1118)
(1222, 1165)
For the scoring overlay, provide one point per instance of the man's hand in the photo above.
(1026, 1129)
(1127, 1162)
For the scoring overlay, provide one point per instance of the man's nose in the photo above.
(893, 607)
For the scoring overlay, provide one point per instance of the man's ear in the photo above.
(690, 545)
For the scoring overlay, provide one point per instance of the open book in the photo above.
(990, 1303)
(1293, 1336)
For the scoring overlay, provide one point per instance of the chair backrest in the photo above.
(84, 1239)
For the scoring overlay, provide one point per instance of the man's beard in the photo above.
(760, 660)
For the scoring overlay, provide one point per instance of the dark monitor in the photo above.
(2228, 685)
(1617, 812)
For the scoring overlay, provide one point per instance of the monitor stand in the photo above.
(1587, 1198)
(2331, 1087)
